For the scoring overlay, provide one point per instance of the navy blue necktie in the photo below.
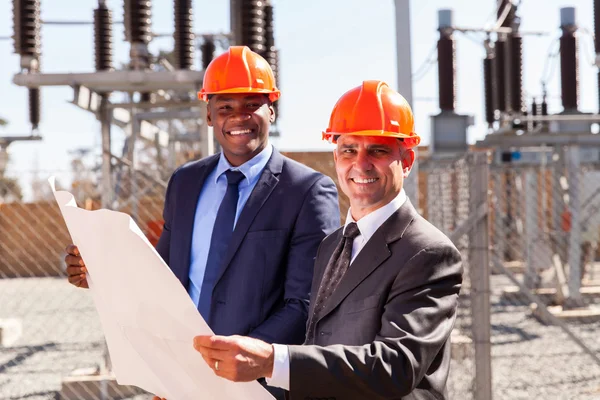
(219, 242)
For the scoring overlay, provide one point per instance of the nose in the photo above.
(363, 162)
(240, 116)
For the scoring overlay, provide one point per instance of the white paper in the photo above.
(148, 319)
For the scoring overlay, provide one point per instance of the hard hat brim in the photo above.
(274, 95)
(415, 140)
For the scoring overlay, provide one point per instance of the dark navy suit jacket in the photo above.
(263, 288)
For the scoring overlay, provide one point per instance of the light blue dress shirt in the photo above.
(209, 201)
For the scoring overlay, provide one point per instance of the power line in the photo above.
(426, 65)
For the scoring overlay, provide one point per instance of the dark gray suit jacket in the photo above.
(385, 331)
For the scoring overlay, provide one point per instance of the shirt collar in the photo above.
(368, 224)
(251, 168)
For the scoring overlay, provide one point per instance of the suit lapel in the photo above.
(261, 192)
(185, 213)
(372, 255)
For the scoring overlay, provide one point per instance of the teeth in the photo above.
(371, 180)
(240, 132)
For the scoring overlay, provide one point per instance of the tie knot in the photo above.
(351, 231)
(234, 177)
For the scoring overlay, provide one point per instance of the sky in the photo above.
(326, 48)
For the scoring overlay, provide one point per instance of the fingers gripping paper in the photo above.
(148, 319)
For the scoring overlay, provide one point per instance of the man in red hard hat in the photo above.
(242, 227)
(384, 297)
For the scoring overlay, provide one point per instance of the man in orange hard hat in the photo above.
(384, 297)
(242, 227)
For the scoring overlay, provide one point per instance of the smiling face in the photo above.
(241, 123)
(371, 170)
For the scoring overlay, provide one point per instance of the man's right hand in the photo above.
(75, 267)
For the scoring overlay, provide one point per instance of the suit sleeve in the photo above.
(417, 320)
(318, 217)
(164, 242)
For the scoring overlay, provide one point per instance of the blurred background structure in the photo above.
(511, 172)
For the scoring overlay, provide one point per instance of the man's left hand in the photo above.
(237, 358)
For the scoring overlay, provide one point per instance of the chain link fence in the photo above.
(542, 225)
(526, 326)
(51, 340)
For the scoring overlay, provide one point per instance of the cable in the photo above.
(426, 65)
(551, 54)
(586, 49)
(503, 16)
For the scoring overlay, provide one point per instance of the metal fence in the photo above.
(540, 296)
(527, 324)
(51, 341)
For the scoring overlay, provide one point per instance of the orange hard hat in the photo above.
(372, 109)
(239, 70)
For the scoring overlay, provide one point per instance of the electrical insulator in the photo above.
(147, 97)
(446, 72)
(103, 38)
(138, 21)
(534, 112)
(489, 84)
(276, 71)
(500, 67)
(544, 110)
(270, 53)
(516, 71)
(569, 60)
(252, 25)
(208, 51)
(34, 107)
(184, 35)
(26, 23)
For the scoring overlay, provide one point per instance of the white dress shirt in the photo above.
(367, 226)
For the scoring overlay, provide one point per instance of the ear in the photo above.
(407, 159)
(272, 115)
(208, 115)
(335, 156)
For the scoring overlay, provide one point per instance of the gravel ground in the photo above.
(530, 360)
(61, 333)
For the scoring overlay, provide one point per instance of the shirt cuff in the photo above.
(281, 368)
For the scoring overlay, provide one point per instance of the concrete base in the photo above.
(10, 331)
(547, 295)
(516, 267)
(584, 315)
(95, 387)
(461, 346)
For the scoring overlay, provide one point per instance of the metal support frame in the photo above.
(572, 161)
(476, 226)
(105, 122)
(480, 276)
(531, 228)
(108, 81)
(404, 79)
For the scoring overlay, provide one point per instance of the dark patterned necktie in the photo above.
(334, 272)
(219, 241)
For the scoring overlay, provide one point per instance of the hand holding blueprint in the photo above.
(148, 319)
